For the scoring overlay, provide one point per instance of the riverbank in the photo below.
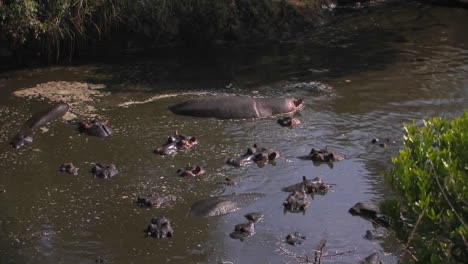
(55, 31)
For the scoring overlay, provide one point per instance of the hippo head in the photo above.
(20, 140)
(186, 142)
(296, 202)
(160, 227)
(298, 103)
(96, 128)
(176, 143)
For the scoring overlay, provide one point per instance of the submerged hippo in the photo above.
(244, 230)
(176, 143)
(104, 171)
(314, 186)
(371, 212)
(159, 227)
(296, 202)
(372, 259)
(154, 201)
(323, 155)
(254, 154)
(70, 168)
(378, 233)
(38, 120)
(190, 171)
(224, 204)
(236, 107)
(294, 239)
(96, 128)
(20, 140)
(288, 121)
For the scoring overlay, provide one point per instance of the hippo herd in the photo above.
(224, 107)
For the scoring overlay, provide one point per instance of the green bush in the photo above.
(431, 174)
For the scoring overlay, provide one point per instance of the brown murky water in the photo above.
(386, 66)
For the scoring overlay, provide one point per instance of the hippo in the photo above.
(371, 212)
(294, 239)
(244, 230)
(224, 204)
(159, 227)
(372, 259)
(38, 120)
(229, 181)
(19, 141)
(378, 233)
(176, 143)
(382, 144)
(96, 128)
(296, 202)
(70, 168)
(288, 121)
(254, 154)
(314, 186)
(324, 155)
(190, 171)
(236, 107)
(154, 201)
(104, 171)
(41, 119)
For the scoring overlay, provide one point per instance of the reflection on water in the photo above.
(386, 67)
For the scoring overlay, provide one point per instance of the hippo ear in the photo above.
(176, 133)
(304, 179)
(250, 150)
(193, 139)
(255, 145)
(313, 151)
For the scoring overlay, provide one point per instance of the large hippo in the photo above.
(224, 204)
(237, 107)
(38, 120)
(51, 114)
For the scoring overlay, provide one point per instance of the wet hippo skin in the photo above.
(38, 120)
(224, 204)
(236, 107)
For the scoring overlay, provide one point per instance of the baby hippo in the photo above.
(159, 227)
(104, 171)
(296, 202)
(96, 128)
(190, 171)
(288, 122)
(241, 231)
(70, 168)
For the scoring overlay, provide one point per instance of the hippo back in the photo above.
(51, 114)
(225, 107)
